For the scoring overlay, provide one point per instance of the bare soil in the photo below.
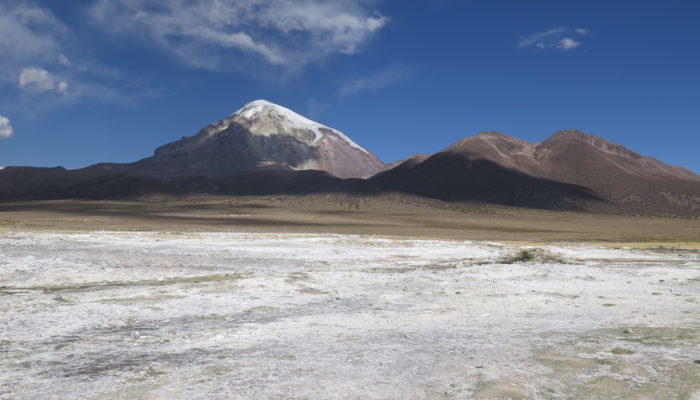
(420, 218)
(147, 315)
(344, 298)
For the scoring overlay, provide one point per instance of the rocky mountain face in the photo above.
(624, 177)
(571, 169)
(266, 149)
(262, 135)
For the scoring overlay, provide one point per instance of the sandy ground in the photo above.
(112, 315)
(347, 215)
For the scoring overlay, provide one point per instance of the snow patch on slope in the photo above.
(297, 121)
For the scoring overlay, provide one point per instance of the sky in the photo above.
(93, 81)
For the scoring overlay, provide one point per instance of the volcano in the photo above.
(262, 135)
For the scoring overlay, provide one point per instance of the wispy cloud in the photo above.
(560, 38)
(384, 77)
(216, 34)
(63, 60)
(567, 44)
(5, 128)
(28, 35)
(43, 60)
(40, 80)
(36, 71)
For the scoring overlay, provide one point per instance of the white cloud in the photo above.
(37, 79)
(5, 128)
(214, 34)
(62, 87)
(378, 80)
(556, 38)
(28, 35)
(35, 49)
(568, 44)
(40, 80)
(63, 60)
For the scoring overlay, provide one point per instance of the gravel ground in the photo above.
(113, 315)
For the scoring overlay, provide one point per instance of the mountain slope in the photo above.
(456, 176)
(624, 177)
(262, 148)
(267, 149)
(570, 168)
(262, 135)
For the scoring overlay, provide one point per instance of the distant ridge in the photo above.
(492, 166)
(265, 149)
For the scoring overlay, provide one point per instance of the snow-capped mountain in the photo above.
(263, 135)
(266, 149)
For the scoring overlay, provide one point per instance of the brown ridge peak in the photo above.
(571, 133)
(486, 134)
(592, 140)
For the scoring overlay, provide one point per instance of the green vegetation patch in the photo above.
(311, 290)
(602, 387)
(152, 372)
(620, 351)
(390, 270)
(211, 317)
(262, 309)
(658, 336)
(501, 389)
(522, 256)
(112, 285)
(562, 362)
(531, 255)
(298, 276)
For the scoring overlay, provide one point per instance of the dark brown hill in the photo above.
(456, 176)
(267, 149)
(412, 160)
(571, 169)
(638, 183)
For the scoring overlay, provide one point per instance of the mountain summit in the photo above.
(266, 149)
(263, 135)
(567, 170)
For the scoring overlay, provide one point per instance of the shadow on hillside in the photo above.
(447, 177)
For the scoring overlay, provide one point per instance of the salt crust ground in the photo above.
(114, 315)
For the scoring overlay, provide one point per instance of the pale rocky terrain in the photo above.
(124, 315)
(263, 135)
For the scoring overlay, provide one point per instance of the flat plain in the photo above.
(219, 298)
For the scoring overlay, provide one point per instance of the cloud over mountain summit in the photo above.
(212, 33)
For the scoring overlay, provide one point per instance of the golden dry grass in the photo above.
(348, 215)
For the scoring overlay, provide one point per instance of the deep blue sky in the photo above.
(92, 81)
